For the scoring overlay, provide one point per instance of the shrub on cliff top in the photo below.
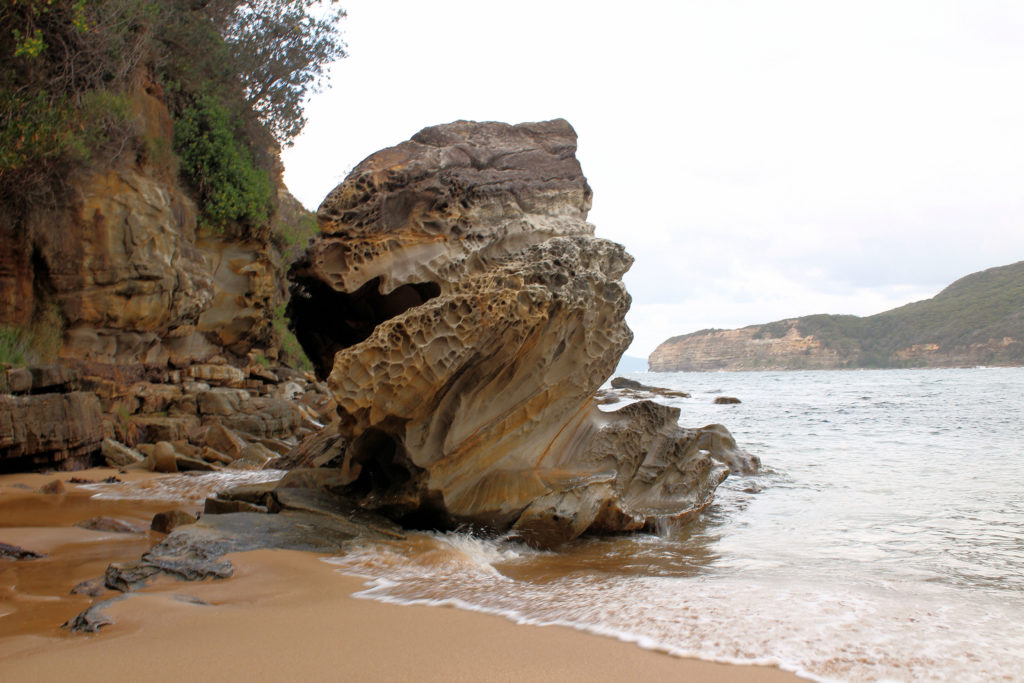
(221, 168)
(64, 66)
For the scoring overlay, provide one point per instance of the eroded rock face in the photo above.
(464, 315)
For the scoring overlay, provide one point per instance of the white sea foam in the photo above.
(883, 542)
(182, 487)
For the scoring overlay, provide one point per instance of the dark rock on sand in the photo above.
(109, 524)
(91, 587)
(14, 552)
(165, 522)
(92, 619)
(194, 552)
(53, 487)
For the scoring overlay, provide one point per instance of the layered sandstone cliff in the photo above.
(743, 349)
(154, 316)
(464, 316)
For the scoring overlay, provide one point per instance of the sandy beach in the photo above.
(285, 615)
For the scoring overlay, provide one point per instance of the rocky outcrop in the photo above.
(171, 326)
(45, 422)
(753, 348)
(976, 320)
(744, 349)
(464, 316)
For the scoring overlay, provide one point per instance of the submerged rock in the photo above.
(631, 387)
(464, 316)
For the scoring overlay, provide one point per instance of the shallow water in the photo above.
(883, 540)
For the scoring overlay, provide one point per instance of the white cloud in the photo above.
(760, 160)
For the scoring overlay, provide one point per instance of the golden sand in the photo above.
(286, 615)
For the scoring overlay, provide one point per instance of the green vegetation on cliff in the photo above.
(969, 319)
(234, 74)
(973, 310)
(977, 319)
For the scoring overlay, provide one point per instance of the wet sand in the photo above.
(285, 615)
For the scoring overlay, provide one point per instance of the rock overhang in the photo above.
(492, 315)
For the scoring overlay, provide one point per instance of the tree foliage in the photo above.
(64, 70)
(230, 186)
(67, 68)
(280, 50)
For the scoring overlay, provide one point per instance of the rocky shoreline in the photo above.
(205, 417)
(460, 316)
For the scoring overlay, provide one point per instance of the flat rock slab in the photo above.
(194, 552)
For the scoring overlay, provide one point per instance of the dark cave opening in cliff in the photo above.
(325, 320)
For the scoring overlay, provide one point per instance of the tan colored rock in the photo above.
(255, 456)
(210, 455)
(166, 428)
(116, 454)
(265, 417)
(17, 380)
(155, 398)
(246, 277)
(224, 440)
(221, 401)
(466, 315)
(224, 375)
(164, 458)
(744, 349)
(165, 522)
(53, 487)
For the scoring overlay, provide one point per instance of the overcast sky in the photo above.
(760, 160)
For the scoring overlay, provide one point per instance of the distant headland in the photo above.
(977, 320)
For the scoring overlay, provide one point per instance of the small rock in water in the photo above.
(624, 383)
(165, 522)
(726, 400)
(91, 587)
(219, 506)
(52, 487)
(92, 619)
(109, 524)
(164, 458)
(14, 552)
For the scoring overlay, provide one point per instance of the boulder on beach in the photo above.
(464, 315)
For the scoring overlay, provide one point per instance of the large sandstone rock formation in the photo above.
(464, 315)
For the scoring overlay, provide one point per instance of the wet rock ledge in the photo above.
(463, 315)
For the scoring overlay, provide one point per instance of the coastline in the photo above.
(288, 615)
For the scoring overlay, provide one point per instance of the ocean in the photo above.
(883, 539)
